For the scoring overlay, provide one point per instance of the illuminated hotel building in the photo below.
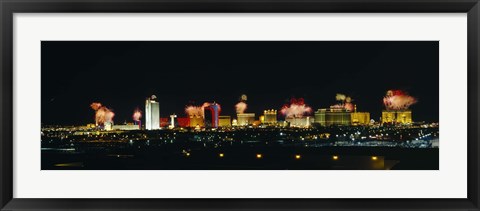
(164, 122)
(388, 116)
(211, 115)
(404, 117)
(245, 119)
(183, 121)
(333, 116)
(126, 127)
(224, 121)
(196, 121)
(392, 116)
(360, 118)
(305, 121)
(270, 116)
(107, 125)
(152, 113)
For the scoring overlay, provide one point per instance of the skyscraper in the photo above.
(211, 115)
(152, 113)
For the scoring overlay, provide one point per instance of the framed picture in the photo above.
(255, 105)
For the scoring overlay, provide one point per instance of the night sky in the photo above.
(121, 75)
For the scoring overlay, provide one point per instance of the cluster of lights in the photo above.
(297, 156)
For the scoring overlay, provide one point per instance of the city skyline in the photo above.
(265, 90)
(394, 101)
(240, 105)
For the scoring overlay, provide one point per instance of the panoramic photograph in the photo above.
(239, 105)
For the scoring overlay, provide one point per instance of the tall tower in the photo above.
(152, 113)
(172, 121)
(212, 120)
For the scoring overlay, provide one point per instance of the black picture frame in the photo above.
(9, 7)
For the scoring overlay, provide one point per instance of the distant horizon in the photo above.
(119, 74)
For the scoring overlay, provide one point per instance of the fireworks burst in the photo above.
(349, 106)
(240, 107)
(340, 97)
(102, 113)
(243, 97)
(95, 106)
(345, 102)
(296, 108)
(197, 111)
(398, 100)
(194, 111)
(137, 114)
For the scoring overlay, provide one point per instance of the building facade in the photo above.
(126, 127)
(108, 125)
(404, 117)
(245, 119)
(360, 118)
(164, 122)
(211, 115)
(393, 116)
(183, 121)
(305, 121)
(224, 121)
(270, 116)
(333, 116)
(388, 116)
(196, 121)
(152, 113)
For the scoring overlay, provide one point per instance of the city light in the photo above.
(374, 158)
(221, 155)
(335, 157)
(259, 156)
(298, 157)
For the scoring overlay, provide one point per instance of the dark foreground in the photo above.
(242, 158)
